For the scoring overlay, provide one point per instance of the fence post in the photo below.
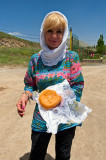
(71, 38)
(79, 51)
(83, 53)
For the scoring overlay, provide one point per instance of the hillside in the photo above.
(7, 40)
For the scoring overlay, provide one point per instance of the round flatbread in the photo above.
(49, 99)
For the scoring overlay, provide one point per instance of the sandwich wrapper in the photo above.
(68, 111)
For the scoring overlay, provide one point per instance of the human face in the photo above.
(53, 37)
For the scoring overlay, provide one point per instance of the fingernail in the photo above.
(23, 107)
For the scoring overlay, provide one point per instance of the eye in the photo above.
(60, 31)
(49, 31)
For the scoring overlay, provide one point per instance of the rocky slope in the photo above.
(7, 40)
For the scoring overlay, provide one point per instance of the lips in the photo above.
(53, 42)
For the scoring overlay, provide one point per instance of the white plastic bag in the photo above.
(68, 111)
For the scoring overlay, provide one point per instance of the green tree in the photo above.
(105, 49)
(100, 45)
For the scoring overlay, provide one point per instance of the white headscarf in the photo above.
(52, 57)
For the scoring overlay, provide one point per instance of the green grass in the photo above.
(16, 56)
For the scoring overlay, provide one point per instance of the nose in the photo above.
(54, 35)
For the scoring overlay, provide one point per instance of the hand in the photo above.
(22, 104)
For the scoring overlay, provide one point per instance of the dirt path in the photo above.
(90, 139)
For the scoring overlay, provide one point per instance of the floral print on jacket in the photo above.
(38, 77)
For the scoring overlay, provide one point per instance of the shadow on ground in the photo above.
(26, 156)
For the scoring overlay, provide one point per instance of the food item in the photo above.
(49, 99)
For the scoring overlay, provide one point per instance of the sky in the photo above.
(23, 18)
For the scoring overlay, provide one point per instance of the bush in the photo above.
(93, 56)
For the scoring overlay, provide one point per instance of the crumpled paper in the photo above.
(68, 111)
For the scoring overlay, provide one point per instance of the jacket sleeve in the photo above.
(76, 77)
(29, 79)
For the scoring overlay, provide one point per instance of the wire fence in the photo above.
(83, 52)
(75, 43)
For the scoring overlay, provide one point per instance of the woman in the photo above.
(50, 66)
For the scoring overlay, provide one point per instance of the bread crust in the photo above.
(49, 99)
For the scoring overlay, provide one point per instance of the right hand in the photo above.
(22, 104)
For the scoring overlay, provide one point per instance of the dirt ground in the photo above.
(90, 140)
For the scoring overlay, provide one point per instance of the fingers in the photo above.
(22, 104)
(23, 107)
(21, 113)
(20, 109)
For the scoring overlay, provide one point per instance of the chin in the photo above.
(52, 47)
